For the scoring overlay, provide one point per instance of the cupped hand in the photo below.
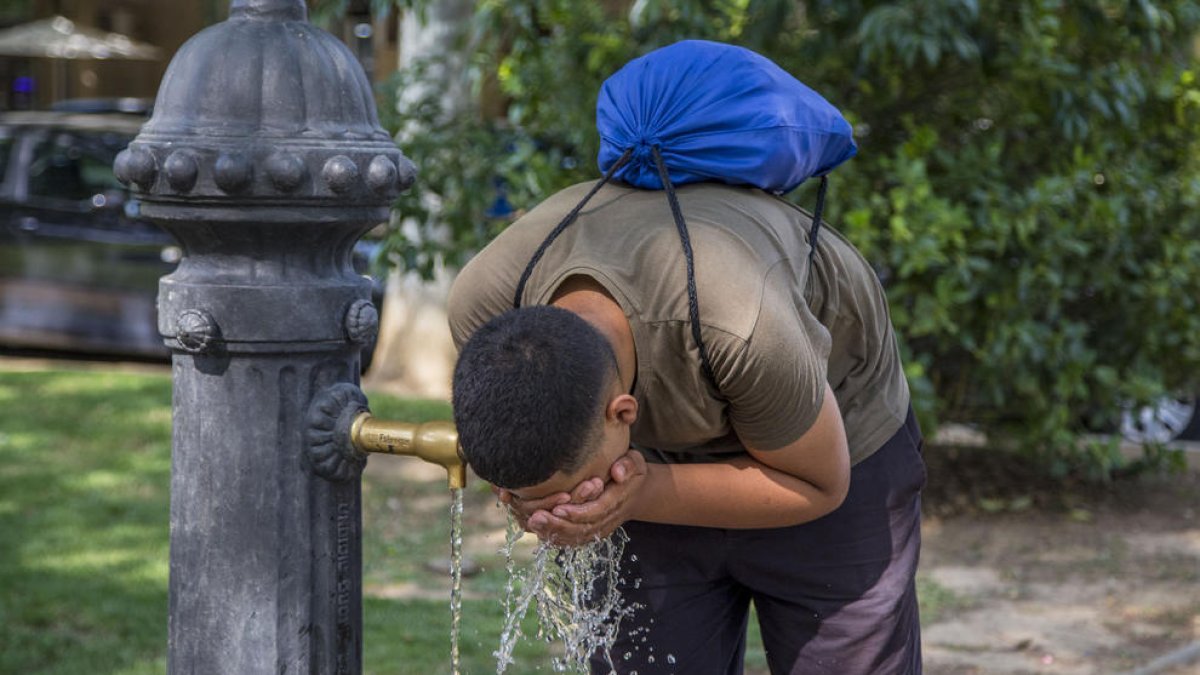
(522, 509)
(574, 523)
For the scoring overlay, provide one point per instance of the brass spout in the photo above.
(341, 431)
(435, 442)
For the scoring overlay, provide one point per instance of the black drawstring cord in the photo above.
(816, 222)
(686, 241)
(566, 221)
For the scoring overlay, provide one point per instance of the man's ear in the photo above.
(622, 408)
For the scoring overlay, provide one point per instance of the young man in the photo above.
(786, 471)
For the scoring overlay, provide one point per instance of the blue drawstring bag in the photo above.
(704, 111)
(717, 112)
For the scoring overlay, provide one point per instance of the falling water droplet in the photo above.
(456, 564)
(511, 633)
(575, 593)
(671, 659)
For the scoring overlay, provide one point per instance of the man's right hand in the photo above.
(522, 509)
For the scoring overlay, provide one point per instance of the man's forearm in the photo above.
(741, 493)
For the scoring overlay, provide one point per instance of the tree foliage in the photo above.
(1027, 181)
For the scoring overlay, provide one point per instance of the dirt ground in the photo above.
(1021, 575)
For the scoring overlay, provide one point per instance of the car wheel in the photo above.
(1171, 418)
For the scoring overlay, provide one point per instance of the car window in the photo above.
(74, 167)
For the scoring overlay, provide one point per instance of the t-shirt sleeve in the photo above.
(478, 294)
(775, 382)
(462, 312)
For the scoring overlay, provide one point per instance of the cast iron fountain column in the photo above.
(265, 158)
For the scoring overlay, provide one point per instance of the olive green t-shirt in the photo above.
(775, 332)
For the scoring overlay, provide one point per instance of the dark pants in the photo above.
(836, 595)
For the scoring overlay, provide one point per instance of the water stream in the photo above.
(456, 565)
(575, 593)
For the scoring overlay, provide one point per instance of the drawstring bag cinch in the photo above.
(699, 111)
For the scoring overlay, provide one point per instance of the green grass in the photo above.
(84, 468)
(937, 601)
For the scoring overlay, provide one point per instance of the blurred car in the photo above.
(1170, 418)
(79, 267)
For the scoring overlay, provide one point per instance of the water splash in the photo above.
(575, 592)
(456, 565)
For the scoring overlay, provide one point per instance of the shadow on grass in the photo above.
(83, 622)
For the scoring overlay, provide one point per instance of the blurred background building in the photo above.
(51, 50)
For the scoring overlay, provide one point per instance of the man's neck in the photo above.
(594, 304)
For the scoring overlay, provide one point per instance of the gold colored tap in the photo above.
(435, 442)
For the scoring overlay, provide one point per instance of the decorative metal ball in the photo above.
(381, 174)
(233, 173)
(136, 166)
(340, 174)
(408, 173)
(287, 171)
(182, 170)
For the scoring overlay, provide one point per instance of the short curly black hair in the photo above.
(529, 395)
